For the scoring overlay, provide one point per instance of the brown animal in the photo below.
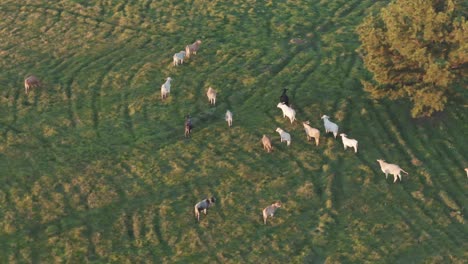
(269, 211)
(31, 81)
(267, 143)
(192, 48)
(211, 93)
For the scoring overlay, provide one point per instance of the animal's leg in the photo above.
(395, 177)
(204, 211)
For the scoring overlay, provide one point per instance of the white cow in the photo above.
(287, 111)
(284, 136)
(392, 169)
(330, 126)
(348, 142)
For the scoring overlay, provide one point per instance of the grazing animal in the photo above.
(211, 93)
(192, 48)
(166, 88)
(31, 81)
(392, 169)
(203, 206)
(228, 117)
(311, 132)
(348, 142)
(284, 136)
(178, 58)
(284, 98)
(267, 143)
(287, 111)
(330, 126)
(269, 211)
(188, 126)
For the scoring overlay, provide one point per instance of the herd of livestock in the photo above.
(32, 81)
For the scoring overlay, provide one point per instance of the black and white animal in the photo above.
(188, 126)
(284, 98)
(203, 206)
(269, 211)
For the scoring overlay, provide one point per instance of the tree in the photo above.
(416, 49)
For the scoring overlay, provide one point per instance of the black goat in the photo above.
(188, 125)
(284, 98)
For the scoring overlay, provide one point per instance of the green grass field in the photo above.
(94, 166)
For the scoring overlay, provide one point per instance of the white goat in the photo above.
(228, 117)
(284, 136)
(269, 211)
(166, 88)
(192, 48)
(392, 169)
(330, 126)
(348, 142)
(203, 206)
(267, 143)
(211, 93)
(311, 132)
(287, 111)
(178, 58)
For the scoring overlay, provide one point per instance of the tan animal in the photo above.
(269, 211)
(211, 93)
(31, 81)
(311, 132)
(393, 169)
(466, 169)
(192, 48)
(267, 143)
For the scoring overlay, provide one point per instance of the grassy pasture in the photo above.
(94, 167)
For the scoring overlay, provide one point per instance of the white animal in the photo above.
(311, 132)
(348, 142)
(330, 126)
(178, 58)
(228, 117)
(193, 48)
(267, 143)
(284, 136)
(287, 111)
(269, 211)
(203, 206)
(166, 88)
(211, 93)
(392, 169)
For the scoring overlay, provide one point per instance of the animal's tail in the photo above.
(404, 171)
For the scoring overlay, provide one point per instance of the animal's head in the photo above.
(306, 122)
(279, 129)
(169, 79)
(325, 116)
(343, 135)
(198, 41)
(380, 160)
(277, 204)
(280, 105)
(212, 200)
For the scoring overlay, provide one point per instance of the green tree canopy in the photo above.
(416, 49)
